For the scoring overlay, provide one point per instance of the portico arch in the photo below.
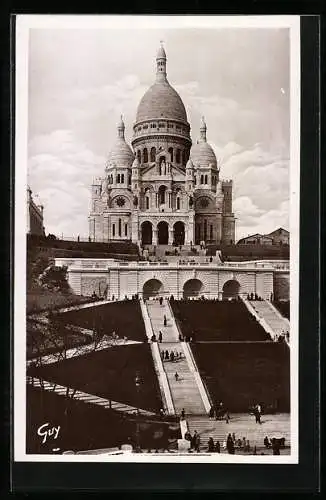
(162, 233)
(146, 233)
(192, 288)
(231, 289)
(179, 233)
(152, 288)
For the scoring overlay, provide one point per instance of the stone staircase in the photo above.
(84, 396)
(243, 425)
(185, 392)
(268, 312)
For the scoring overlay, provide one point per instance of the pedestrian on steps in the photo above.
(183, 414)
(211, 446)
(167, 354)
(172, 356)
(217, 447)
(160, 336)
(162, 355)
(165, 321)
(161, 301)
(176, 376)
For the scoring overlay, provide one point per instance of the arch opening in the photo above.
(146, 233)
(179, 233)
(192, 288)
(231, 289)
(162, 194)
(152, 288)
(162, 233)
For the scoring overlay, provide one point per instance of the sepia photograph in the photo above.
(157, 169)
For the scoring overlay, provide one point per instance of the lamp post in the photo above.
(137, 384)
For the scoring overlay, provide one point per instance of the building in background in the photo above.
(164, 190)
(34, 215)
(278, 237)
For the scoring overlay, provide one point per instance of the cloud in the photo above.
(61, 169)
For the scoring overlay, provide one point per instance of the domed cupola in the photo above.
(161, 100)
(121, 154)
(202, 153)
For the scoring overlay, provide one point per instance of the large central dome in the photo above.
(161, 100)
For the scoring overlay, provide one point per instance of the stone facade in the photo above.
(109, 278)
(164, 190)
(34, 216)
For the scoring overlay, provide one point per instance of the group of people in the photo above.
(219, 412)
(171, 356)
(275, 444)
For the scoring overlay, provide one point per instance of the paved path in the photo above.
(87, 398)
(81, 350)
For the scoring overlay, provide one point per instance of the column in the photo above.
(170, 241)
(154, 239)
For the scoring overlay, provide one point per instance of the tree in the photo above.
(55, 278)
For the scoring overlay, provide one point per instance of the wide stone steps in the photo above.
(243, 425)
(274, 320)
(185, 393)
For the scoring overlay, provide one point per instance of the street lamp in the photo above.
(137, 384)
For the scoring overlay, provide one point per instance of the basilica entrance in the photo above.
(192, 288)
(146, 233)
(179, 233)
(152, 288)
(231, 289)
(162, 233)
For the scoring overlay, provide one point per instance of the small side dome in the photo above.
(121, 154)
(202, 155)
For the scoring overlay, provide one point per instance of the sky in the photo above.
(81, 80)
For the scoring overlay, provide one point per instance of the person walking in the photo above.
(211, 446)
(230, 445)
(160, 336)
(176, 376)
(193, 440)
(162, 355)
(167, 354)
(197, 443)
(227, 417)
(172, 356)
(183, 414)
(165, 321)
(211, 413)
(161, 301)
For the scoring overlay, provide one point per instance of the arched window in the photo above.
(113, 230)
(126, 229)
(177, 156)
(139, 155)
(147, 202)
(195, 179)
(153, 154)
(211, 232)
(171, 153)
(201, 179)
(122, 178)
(205, 179)
(119, 227)
(205, 230)
(145, 155)
(129, 179)
(118, 178)
(178, 202)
